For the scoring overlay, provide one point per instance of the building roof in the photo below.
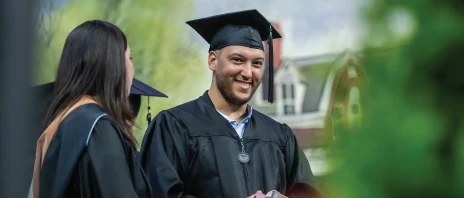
(313, 73)
(312, 60)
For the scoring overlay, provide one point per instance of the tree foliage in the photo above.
(411, 140)
(156, 32)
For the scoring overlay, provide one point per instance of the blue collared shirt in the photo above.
(240, 127)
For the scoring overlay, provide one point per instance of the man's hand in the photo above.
(272, 193)
(258, 194)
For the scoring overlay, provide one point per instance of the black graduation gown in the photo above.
(192, 151)
(89, 157)
(41, 98)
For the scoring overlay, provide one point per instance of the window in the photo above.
(284, 91)
(289, 109)
(355, 109)
(288, 98)
(292, 91)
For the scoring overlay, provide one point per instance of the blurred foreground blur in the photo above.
(409, 141)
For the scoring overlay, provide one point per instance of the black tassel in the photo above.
(271, 67)
(149, 112)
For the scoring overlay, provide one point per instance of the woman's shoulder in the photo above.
(94, 123)
(107, 133)
(91, 115)
(105, 126)
(85, 115)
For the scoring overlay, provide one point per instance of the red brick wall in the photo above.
(277, 44)
(277, 47)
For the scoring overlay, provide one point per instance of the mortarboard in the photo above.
(244, 28)
(138, 89)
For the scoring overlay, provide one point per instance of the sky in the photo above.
(309, 27)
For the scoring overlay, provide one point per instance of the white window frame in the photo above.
(290, 99)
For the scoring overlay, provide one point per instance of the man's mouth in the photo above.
(243, 84)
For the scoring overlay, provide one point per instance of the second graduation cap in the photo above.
(244, 28)
(138, 89)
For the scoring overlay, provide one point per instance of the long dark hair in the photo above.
(93, 64)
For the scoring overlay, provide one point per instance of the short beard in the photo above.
(226, 90)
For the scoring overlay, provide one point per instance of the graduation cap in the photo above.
(138, 89)
(244, 28)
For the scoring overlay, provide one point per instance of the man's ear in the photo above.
(213, 58)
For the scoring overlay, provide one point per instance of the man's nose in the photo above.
(246, 71)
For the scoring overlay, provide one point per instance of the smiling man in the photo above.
(218, 145)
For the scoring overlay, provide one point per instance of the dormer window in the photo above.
(288, 98)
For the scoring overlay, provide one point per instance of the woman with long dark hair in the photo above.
(88, 148)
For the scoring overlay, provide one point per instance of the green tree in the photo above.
(411, 140)
(156, 32)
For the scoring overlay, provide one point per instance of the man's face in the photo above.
(238, 72)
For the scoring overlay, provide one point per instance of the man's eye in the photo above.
(236, 59)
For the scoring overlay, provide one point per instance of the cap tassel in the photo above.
(271, 67)
(149, 112)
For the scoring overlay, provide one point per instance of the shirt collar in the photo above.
(244, 121)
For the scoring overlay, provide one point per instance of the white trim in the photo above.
(91, 129)
(288, 76)
(326, 95)
(288, 73)
(283, 67)
(291, 76)
(258, 96)
(30, 194)
(300, 90)
(289, 100)
(288, 68)
(323, 58)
